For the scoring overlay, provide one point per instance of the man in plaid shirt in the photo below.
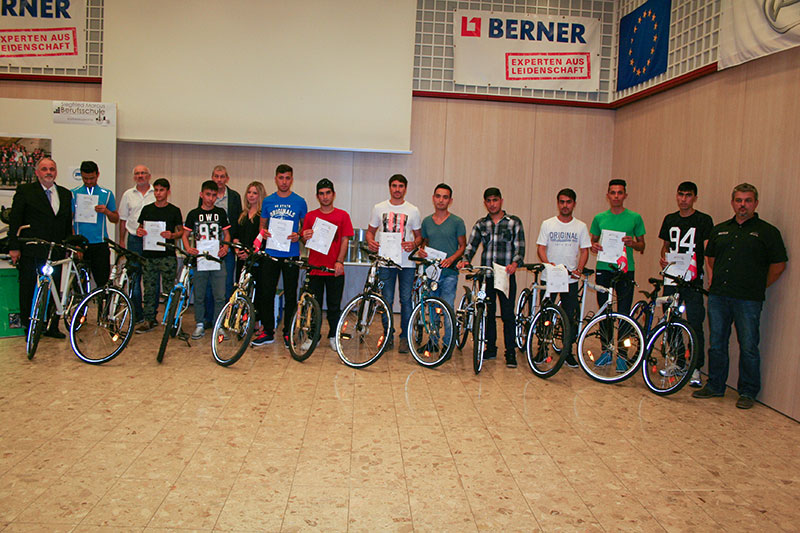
(503, 239)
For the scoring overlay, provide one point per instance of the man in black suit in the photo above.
(47, 209)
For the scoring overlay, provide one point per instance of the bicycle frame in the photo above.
(61, 295)
(607, 306)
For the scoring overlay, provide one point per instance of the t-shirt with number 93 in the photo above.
(207, 224)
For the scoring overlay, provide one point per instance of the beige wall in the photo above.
(725, 128)
(737, 125)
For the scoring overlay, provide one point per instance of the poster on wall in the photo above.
(18, 158)
(754, 28)
(84, 113)
(526, 51)
(43, 33)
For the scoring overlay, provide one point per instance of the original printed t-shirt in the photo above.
(293, 208)
(564, 241)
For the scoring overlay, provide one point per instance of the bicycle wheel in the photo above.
(360, 335)
(38, 318)
(233, 331)
(463, 324)
(169, 323)
(304, 331)
(670, 357)
(548, 341)
(522, 318)
(478, 337)
(102, 325)
(640, 312)
(610, 347)
(433, 318)
(78, 290)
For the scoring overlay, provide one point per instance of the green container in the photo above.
(10, 322)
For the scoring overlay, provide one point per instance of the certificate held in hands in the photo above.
(321, 241)
(613, 247)
(280, 230)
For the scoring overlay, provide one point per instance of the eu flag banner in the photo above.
(643, 43)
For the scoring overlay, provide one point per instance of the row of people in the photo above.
(750, 251)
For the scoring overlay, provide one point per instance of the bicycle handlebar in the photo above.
(424, 260)
(124, 251)
(65, 246)
(187, 255)
(374, 257)
(304, 264)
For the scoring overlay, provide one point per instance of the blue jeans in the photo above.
(406, 276)
(230, 266)
(447, 289)
(447, 292)
(746, 315)
(136, 244)
(216, 280)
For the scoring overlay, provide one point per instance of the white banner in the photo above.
(86, 113)
(43, 33)
(754, 28)
(526, 51)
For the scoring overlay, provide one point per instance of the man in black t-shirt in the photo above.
(206, 224)
(686, 232)
(160, 264)
(745, 256)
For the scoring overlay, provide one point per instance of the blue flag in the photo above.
(643, 43)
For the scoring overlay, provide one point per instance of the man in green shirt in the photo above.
(623, 220)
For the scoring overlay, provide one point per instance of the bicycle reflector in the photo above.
(591, 355)
(47, 269)
(682, 308)
(627, 342)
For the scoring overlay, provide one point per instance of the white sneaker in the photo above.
(332, 340)
(199, 331)
(695, 381)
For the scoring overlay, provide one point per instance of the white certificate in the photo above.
(212, 247)
(324, 232)
(557, 278)
(613, 247)
(153, 240)
(434, 254)
(500, 278)
(84, 208)
(391, 246)
(280, 230)
(679, 269)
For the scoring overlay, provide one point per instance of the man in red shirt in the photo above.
(325, 282)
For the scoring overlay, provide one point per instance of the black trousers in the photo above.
(333, 286)
(98, 259)
(272, 272)
(506, 314)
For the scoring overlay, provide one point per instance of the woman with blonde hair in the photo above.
(249, 222)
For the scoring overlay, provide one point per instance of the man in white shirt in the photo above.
(395, 215)
(564, 240)
(130, 207)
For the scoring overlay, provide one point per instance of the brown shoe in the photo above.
(402, 346)
(745, 402)
(145, 326)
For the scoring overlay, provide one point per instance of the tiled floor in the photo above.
(270, 444)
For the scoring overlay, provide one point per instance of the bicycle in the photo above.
(178, 299)
(610, 343)
(670, 353)
(359, 340)
(550, 330)
(235, 324)
(526, 307)
(475, 312)
(74, 285)
(307, 319)
(431, 325)
(102, 324)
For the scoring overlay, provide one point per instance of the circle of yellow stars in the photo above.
(647, 17)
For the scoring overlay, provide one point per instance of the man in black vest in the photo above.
(47, 209)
